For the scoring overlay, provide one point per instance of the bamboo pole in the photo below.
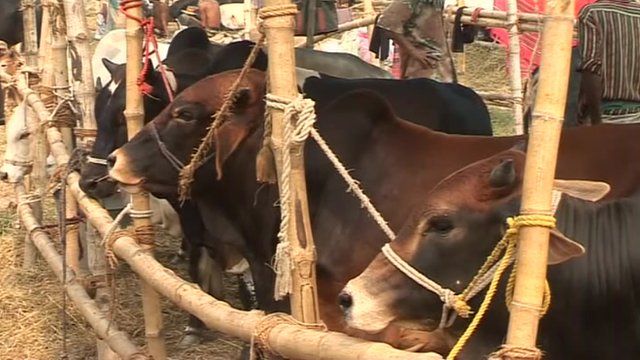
(78, 37)
(290, 341)
(102, 326)
(37, 179)
(282, 83)
(514, 68)
(61, 81)
(539, 172)
(134, 113)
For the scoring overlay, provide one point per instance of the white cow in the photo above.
(17, 159)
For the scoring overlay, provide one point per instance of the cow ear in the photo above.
(561, 248)
(228, 137)
(117, 71)
(582, 189)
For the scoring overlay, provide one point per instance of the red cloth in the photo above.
(528, 62)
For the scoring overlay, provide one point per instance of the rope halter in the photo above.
(490, 272)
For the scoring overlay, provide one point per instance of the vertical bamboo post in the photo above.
(282, 82)
(370, 11)
(539, 172)
(250, 17)
(462, 57)
(38, 177)
(78, 38)
(61, 82)
(514, 64)
(134, 113)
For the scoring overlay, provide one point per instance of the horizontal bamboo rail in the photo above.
(345, 27)
(288, 340)
(527, 22)
(103, 327)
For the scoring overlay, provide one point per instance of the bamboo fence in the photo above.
(287, 338)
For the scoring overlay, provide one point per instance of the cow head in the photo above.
(112, 126)
(448, 242)
(17, 156)
(180, 127)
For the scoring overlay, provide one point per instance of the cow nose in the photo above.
(87, 184)
(111, 161)
(345, 300)
(3, 176)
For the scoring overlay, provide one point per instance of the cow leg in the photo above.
(207, 273)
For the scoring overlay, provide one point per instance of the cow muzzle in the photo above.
(362, 309)
(119, 167)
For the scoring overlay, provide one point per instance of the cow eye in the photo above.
(24, 135)
(440, 224)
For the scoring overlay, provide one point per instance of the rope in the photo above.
(147, 26)
(299, 118)
(516, 352)
(508, 242)
(109, 238)
(263, 328)
(199, 157)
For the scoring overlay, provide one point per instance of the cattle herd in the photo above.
(425, 154)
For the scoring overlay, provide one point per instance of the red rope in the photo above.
(476, 14)
(150, 40)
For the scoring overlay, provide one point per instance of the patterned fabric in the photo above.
(610, 47)
(420, 23)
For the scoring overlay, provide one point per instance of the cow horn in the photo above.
(503, 175)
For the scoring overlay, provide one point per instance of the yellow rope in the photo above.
(508, 243)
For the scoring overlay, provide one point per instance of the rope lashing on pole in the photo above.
(147, 26)
(495, 265)
(263, 328)
(299, 118)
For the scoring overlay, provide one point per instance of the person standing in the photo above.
(417, 27)
(609, 33)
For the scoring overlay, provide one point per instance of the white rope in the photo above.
(140, 214)
(116, 223)
(301, 110)
(97, 161)
(295, 134)
(29, 198)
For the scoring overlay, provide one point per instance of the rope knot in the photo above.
(461, 307)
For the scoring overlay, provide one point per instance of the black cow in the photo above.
(446, 107)
(595, 297)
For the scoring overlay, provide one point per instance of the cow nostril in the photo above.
(3, 175)
(111, 160)
(345, 300)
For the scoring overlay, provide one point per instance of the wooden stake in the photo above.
(540, 168)
(282, 82)
(134, 114)
(514, 62)
(38, 177)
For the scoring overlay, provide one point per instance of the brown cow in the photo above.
(396, 162)
(595, 307)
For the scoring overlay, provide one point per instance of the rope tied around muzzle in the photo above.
(489, 274)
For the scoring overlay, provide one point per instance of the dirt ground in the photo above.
(30, 299)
